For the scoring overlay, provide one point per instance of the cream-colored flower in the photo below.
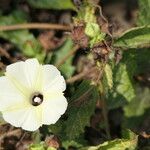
(31, 94)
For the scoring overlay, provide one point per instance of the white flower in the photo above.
(32, 94)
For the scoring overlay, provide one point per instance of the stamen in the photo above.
(37, 99)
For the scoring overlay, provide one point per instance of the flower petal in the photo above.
(31, 122)
(53, 81)
(16, 117)
(23, 73)
(9, 95)
(25, 118)
(53, 109)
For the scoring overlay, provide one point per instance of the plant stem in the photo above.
(80, 75)
(34, 26)
(104, 110)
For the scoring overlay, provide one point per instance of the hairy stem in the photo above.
(104, 110)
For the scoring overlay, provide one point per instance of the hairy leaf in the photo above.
(139, 104)
(84, 102)
(138, 37)
(143, 61)
(93, 31)
(137, 123)
(123, 83)
(144, 15)
(123, 90)
(51, 4)
(128, 142)
(124, 86)
(39, 146)
(66, 68)
(67, 144)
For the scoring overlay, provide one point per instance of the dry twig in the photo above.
(34, 26)
(67, 56)
(76, 77)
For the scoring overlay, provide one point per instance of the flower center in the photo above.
(37, 99)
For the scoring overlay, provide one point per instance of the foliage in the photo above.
(78, 115)
(138, 37)
(123, 88)
(109, 75)
(52, 4)
(125, 84)
(129, 141)
(67, 68)
(144, 17)
(93, 31)
(40, 146)
(22, 39)
(139, 104)
(37, 146)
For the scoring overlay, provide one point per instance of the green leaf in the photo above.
(52, 4)
(87, 12)
(67, 144)
(58, 128)
(129, 143)
(136, 122)
(79, 114)
(139, 104)
(123, 91)
(136, 110)
(144, 15)
(138, 37)
(128, 134)
(143, 61)
(124, 86)
(51, 148)
(108, 75)
(135, 62)
(93, 31)
(22, 39)
(67, 68)
(40, 146)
